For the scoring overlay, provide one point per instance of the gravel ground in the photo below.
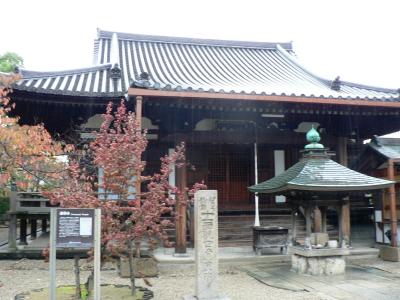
(3, 233)
(23, 275)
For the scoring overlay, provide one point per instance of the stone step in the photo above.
(247, 226)
(251, 218)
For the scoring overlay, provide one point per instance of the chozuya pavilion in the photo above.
(311, 186)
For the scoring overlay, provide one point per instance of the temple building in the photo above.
(242, 108)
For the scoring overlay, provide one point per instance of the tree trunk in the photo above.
(131, 271)
(90, 283)
(78, 293)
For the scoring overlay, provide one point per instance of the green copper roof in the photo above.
(317, 172)
(320, 174)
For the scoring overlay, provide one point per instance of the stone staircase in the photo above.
(235, 228)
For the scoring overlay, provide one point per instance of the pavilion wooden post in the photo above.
(138, 110)
(44, 225)
(340, 222)
(294, 227)
(343, 158)
(22, 231)
(393, 204)
(307, 241)
(180, 232)
(33, 223)
(317, 220)
(323, 210)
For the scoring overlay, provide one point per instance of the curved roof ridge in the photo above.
(38, 74)
(296, 61)
(193, 41)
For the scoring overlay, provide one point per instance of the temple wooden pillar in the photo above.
(343, 158)
(180, 232)
(393, 204)
(138, 111)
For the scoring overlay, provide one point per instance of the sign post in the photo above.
(97, 254)
(53, 256)
(78, 229)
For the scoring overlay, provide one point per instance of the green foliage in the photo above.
(10, 60)
(4, 203)
(68, 292)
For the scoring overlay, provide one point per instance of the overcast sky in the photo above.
(358, 40)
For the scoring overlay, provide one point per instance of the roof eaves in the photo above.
(337, 188)
(27, 74)
(169, 87)
(68, 93)
(385, 151)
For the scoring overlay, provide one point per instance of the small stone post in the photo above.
(206, 246)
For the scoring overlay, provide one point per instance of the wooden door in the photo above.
(229, 172)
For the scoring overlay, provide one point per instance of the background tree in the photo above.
(9, 61)
(24, 163)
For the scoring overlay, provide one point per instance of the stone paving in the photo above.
(364, 279)
(262, 277)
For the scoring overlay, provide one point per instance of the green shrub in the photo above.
(4, 206)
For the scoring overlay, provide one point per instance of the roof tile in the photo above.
(185, 64)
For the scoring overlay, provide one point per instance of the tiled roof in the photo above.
(316, 172)
(92, 81)
(185, 64)
(388, 147)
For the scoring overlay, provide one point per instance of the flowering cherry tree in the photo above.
(129, 217)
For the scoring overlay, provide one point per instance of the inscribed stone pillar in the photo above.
(206, 245)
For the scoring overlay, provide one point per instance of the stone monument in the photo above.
(206, 246)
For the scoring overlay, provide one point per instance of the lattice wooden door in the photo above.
(230, 174)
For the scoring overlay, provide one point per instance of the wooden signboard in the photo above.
(75, 228)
